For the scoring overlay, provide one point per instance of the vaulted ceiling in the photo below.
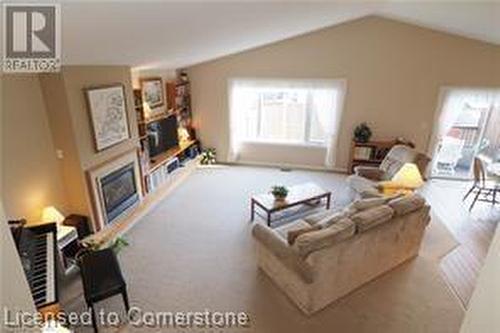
(173, 34)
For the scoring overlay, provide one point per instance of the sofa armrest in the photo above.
(282, 251)
(271, 240)
(369, 172)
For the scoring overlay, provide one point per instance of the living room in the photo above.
(294, 167)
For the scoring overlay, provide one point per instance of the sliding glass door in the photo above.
(466, 130)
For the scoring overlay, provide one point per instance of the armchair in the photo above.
(366, 179)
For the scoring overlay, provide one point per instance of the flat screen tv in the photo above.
(162, 135)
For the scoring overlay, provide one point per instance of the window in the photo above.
(303, 112)
(280, 114)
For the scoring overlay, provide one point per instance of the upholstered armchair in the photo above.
(366, 179)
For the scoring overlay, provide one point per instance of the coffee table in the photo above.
(297, 195)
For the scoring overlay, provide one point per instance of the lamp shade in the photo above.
(51, 214)
(408, 176)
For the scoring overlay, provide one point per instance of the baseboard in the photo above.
(287, 166)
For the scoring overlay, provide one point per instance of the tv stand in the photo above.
(161, 159)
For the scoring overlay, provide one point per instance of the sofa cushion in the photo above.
(368, 203)
(316, 240)
(369, 218)
(315, 218)
(293, 234)
(406, 204)
(295, 225)
(325, 219)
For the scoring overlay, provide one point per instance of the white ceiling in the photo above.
(173, 34)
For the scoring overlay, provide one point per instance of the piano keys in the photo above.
(37, 249)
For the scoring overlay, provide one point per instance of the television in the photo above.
(162, 135)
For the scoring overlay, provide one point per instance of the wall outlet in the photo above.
(59, 154)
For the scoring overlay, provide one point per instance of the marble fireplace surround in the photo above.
(94, 177)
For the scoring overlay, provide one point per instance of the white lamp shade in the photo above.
(408, 176)
(51, 214)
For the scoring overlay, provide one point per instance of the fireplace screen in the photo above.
(119, 191)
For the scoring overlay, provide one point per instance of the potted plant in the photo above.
(279, 192)
(208, 156)
(93, 245)
(362, 133)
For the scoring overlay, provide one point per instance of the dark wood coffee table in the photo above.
(297, 195)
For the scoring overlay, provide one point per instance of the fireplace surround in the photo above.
(115, 189)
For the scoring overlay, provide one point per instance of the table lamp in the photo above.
(51, 214)
(408, 177)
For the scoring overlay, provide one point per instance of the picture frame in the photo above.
(152, 92)
(107, 107)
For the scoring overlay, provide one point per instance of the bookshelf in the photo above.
(370, 153)
(156, 170)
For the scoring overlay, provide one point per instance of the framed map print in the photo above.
(108, 113)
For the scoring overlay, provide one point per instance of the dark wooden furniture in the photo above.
(299, 194)
(80, 222)
(375, 153)
(179, 100)
(101, 279)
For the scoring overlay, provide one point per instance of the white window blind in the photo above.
(305, 112)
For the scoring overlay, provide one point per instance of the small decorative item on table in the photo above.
(279, 192)
(362, 133)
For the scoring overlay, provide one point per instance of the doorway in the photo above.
(464, 122)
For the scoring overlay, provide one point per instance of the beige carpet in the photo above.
(194, 252)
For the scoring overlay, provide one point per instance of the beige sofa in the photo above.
(353, 246)
(366, 178)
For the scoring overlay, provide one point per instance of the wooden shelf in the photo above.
(155, 118)
(378, 151)
(160, 159)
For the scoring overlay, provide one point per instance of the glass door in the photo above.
(461, 142)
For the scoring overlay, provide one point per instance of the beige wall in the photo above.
(47, 113)
(30, 175)
(76, 80)
(393, 71)
(71, 127)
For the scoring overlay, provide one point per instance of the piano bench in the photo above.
(101, 278)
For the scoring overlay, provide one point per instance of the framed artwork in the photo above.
(152, 92)
(108, 114)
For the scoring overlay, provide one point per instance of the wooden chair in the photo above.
(483, 188)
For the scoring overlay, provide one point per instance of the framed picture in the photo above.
(108, 114)
(152, 92)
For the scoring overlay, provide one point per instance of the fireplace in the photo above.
(115, 189)
(119, 192)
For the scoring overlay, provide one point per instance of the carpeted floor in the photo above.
(194, 252)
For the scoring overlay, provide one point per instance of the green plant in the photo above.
(118, 244)
(279, 191)
(362, 133)
(208, 156)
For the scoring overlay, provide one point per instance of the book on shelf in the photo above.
(362, 153)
